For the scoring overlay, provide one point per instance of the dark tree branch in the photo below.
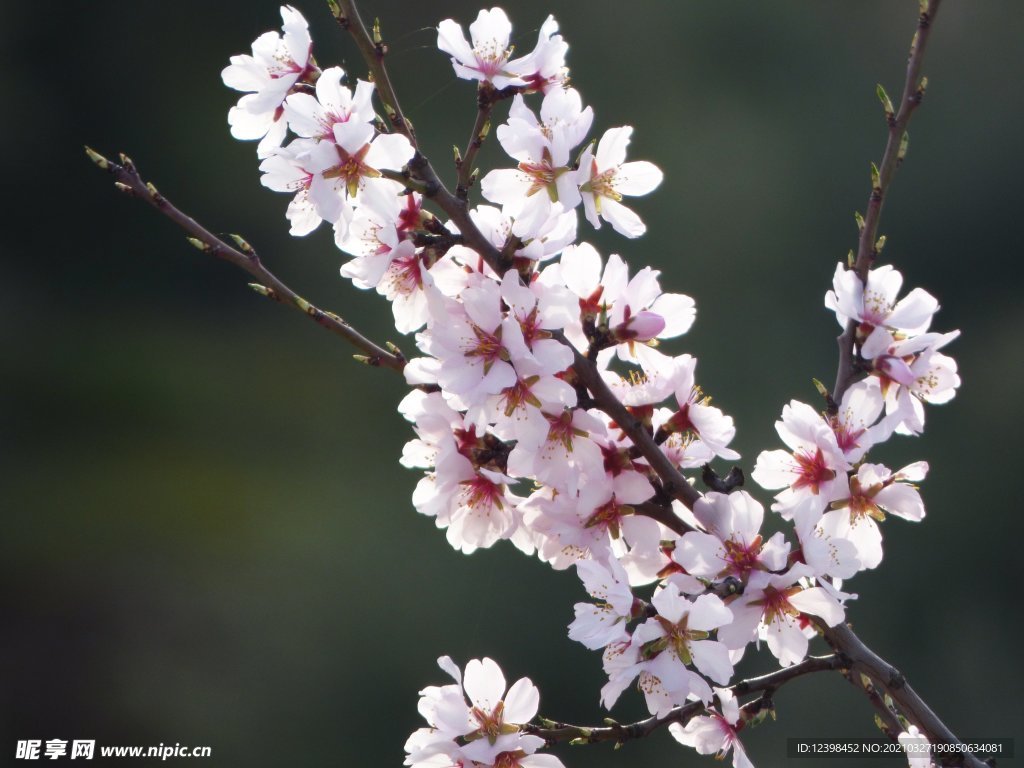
(244, 257)
(676, 485)
(663, 515)
(892, 682)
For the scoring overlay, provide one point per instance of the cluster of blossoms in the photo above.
(510, 437)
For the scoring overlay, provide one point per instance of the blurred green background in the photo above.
(207, 536)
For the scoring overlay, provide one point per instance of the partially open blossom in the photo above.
(716, 732)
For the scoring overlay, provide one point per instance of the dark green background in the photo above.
(207, 537)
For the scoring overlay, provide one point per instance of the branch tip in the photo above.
(97, 158)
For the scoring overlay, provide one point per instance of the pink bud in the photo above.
(896, 369)
(643, 327)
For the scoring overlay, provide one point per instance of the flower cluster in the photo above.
(825, 484)
(512, 439)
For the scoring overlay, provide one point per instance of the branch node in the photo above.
(244, 247)
(262, 290)
(127, 162)
(896, 679)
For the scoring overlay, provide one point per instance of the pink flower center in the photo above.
(813, 471)
(846, 437)
(351, 169)
(481, 492)
(609, 516)
(562, 431)
(404, 275)
(742, 559)
(519, 394)
(602, 184)
(409, 216)
(487, 346)
(775, 603)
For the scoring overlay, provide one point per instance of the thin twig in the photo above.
(554, 732)
(244, 257)
(913, 92)
(841, 637)
(347, 15)
(485, 100)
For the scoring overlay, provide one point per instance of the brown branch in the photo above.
(554, 732)
(244, 257)
(662, 514)
(676, 485)
(895, 148)
(885, 716)
(892, 682)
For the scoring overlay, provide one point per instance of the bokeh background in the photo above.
(207, 538)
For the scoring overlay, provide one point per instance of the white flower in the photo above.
(916, 746)
(697, 415)
(676, 638)
(605, 176)
(776, 607)
(566, 452)
(733, 545)
(486, 58)
(857, 424)
(542, 147)
(874, 491)
(347, 167)
(715, 733)
(604, 623)
(284, 170)
(315, 118)
(630, 311)
(472, 502)
(479, 713)
(913, 372)
(577, 526)
(544, 67)
(874, 305)
(276, 65)
(816, 467)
